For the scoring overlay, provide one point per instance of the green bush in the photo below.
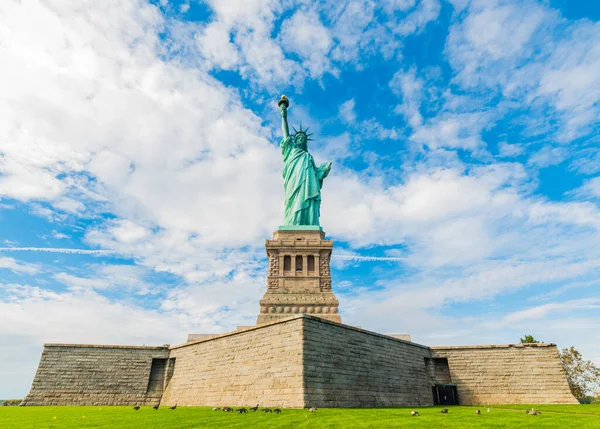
(10, 402)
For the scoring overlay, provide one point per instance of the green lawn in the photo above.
(505, 416)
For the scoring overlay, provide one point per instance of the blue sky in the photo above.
(140, 173)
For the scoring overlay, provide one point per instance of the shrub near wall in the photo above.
(10, 402)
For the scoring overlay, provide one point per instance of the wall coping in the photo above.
(493, 346)
(364, 331)
(237, 331)
(106, 346)
(294, 318)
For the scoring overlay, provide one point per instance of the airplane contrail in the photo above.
(58, 250)
(112, 252)
(357, 258)
(368, 258)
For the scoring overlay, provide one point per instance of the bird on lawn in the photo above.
(241, 410)
(445, 410)
(532, 412)
(156, 407)
(227, 409)
(137, 407)
(312, 409)
(477, 412)
(277, 411)
(267, 410)
(414, 413)
(173, 407)
(255, 408)
(216, 409)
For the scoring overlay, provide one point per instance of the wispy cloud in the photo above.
(18, 266)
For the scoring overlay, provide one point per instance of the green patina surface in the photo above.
(302, 179)
(502, 416)
(299, 228)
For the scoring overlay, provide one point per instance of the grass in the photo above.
(503, 416)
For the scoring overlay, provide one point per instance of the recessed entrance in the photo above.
(157, 376)
(445, 394)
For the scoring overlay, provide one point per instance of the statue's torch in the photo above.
(283, 100)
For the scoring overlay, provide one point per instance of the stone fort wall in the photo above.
(507, 374)
(71, 374)
(259, 365)
(297, 362)
(351, 367)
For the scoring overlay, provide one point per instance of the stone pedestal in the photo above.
(299, 278)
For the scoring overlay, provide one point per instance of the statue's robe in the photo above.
(302, 183)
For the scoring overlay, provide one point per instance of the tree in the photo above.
(582, 375)
(528, 339)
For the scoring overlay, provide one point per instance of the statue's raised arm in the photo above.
(302, 178)
(283, 105)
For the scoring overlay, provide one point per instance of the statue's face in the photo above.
(301, 140)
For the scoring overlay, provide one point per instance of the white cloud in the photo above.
(497, 32)
(509, 150)
(425, 12)
(570, 82)
(410, 88)
(183, 8)
(69, 205)
(392, 5)
(305, 35)
(492, 39)
(128, 278)
(591, 187)
(214, 43)
(128, 232)
(548, 156)
(25, 183)
(350, 20)
(128, 146)
(555, 307)
(347, 112)
(587, 160)
(76, 283)
(535, 59)
(452, 130)
(242, 36)
(335, 148)
(249, 25)
(18, 266)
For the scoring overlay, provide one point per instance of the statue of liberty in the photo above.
(302, 178)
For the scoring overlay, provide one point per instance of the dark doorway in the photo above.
(445, 394)
(157, 376)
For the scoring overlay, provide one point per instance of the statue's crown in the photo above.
(301, 131)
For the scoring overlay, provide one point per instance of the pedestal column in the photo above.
(292, 292)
